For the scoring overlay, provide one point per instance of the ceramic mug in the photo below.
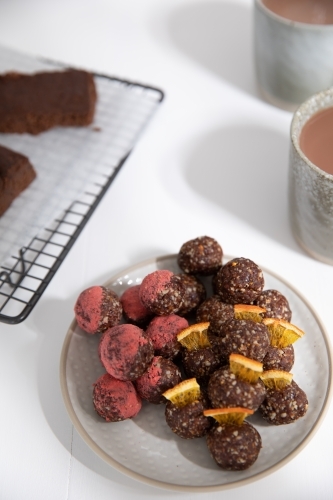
(293, 60)
(310, 187)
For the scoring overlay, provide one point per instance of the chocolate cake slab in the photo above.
(36, 102)
(16, 173)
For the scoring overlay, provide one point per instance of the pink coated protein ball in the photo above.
(97, 308)
(125, 351)
(162, 331)
(115, 400)
(161, 292)
(161, 375)
(134, 311)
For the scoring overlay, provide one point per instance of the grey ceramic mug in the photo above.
(310, 188)
(293, 60)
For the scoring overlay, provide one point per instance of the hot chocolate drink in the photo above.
(303, 11)
(316, 140)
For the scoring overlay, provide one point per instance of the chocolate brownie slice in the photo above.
(16, 173)
(38, 102)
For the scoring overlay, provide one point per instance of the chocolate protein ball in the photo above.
(202, 255)
(161, 375)
(246, 337)
(225, 390)
(216, 312)
(134, 311)
(234, 447)
(125, 351)
(279, 358)
(161, 292)
(194, 293)
(115, 400)
(284, 406)
(239, 281)
(188, 421)
(97, 308)
(276, 305)
(200, 363)
(162, 332)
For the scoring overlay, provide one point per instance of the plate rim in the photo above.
(178, 487)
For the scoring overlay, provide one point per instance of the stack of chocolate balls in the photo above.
(142, 357)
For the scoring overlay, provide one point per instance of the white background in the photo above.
(213, 160)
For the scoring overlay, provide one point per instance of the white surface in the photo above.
(212, 161)
(146, 449)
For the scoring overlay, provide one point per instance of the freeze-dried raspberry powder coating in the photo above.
(239, 281)
(133, 308)
(115, 400)
(161, 292)
(162, 331)
(97, 309)
(160, 376)
(202, 255)
(125, 351)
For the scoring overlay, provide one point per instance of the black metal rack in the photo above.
(26, 274)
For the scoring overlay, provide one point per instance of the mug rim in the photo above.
(290, 22)
(318, 101)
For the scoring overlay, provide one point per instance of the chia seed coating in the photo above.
(239, 281)
(161, 293)
(234, 447)
(279, 358)
(189, 421)
(96, 309)
(246, 337)
(125, 351)
(284, 406)
(115, 400)
(225, 390)
(162, 332)
(276, 305)
(202, 255)
(161, 375)
(134, 311)
(200, 364)
(194, 293)
(215, 312)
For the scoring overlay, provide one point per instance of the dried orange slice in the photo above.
(246, 311)
(281, 332)
(276, 379)
(194, 336)
(183, 393)
(229, 415)
(244, 368)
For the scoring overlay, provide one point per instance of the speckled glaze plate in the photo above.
(146, 449)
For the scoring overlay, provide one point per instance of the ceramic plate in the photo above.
(146, 449)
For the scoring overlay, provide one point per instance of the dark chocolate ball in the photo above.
(188, 422)
(284, 406)
(276, 305)
(225, 390)
(202, 255)
(216, 312)
(279, 358)
(200, 363)
(194, 293)
(239, 281)
(246, 337)
(234, 447)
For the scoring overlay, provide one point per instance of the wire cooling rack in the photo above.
(75, 167)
